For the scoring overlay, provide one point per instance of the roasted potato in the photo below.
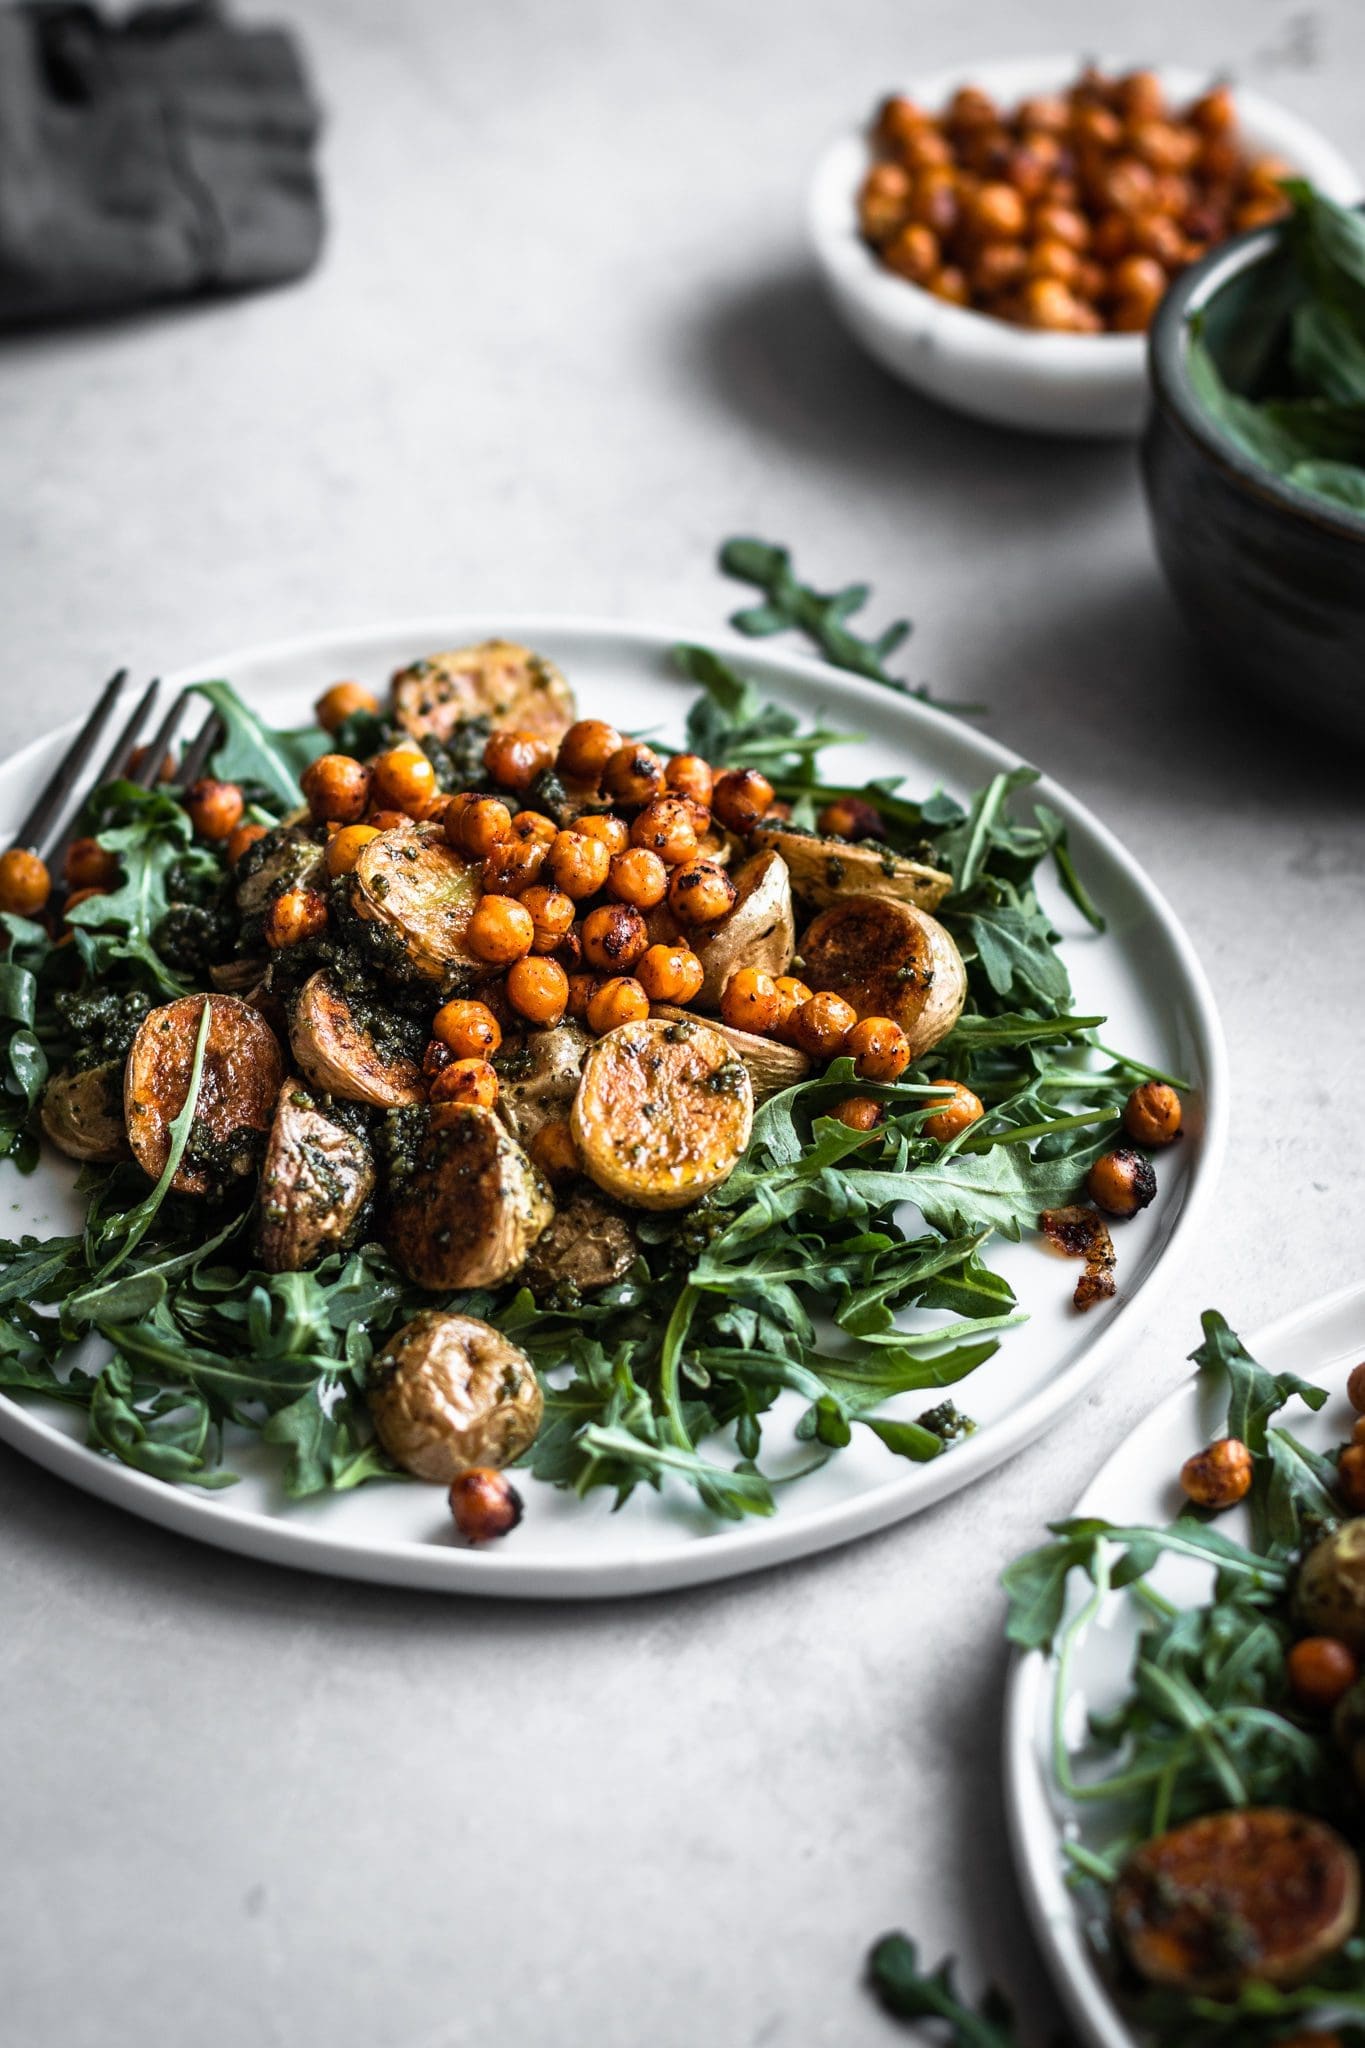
(449, 1393)
(539, 1073)
(287, 858)
(315, 1180)
(588, 1245)
(824, 871)
(83, 1113)
(1259, 1894)
(663, 1112)
(772, 1066)
(1330, 1595)
(889, 960)
(412, 883)
(759, 932)
(340, 1057)
(242, 1071)
(497, 680)
(465, 1204)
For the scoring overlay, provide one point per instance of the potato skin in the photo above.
(759, 932)
(889, 960)
(339, 1057)
(824, 871)
(315, 1180)
(83, 1113)
(539, 1073)
(663, 1112)
(243, 1068)
(1257, 1894)
(466, 1205)
(588, 1245)
(410, 881)
(450, 1393)
(772, 1065)
(498, 680)
(1329, 1597)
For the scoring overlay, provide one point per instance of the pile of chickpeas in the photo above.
(1073, 212)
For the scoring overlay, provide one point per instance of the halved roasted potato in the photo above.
(339, 1056)
(538, 1074)
(760, 931)
(497, 680)
(287, 858)
(663, 1112)
(83, 1113)
(1258, 1894)
(240, 1079)
(588, 1244)
(772, 1066)
(412, 883)
(315, 1179)
(1329, 1596)
(826, 870)
(449, 1393)
(889, 960)
(466, 1204)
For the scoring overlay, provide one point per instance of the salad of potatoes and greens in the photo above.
(460, 1082)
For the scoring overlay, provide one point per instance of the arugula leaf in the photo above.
(251, 752)
(150, 833)
(912, 1993)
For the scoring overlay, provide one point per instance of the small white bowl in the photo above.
(1079, 384)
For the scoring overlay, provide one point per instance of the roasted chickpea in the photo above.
(950, 284)
(343, 701)
(1048, 112)
(1321, 1669)
(586, 749)
(851, 817)
(579, 864)
(618, 1001)
(294, 916)
(477, 826)
(996, 214)
(500, 930)
(1121, 1182)
(969, 109)
(914, 253)
(1351, 1477)
(638, 877)
(403, 780)
(689, 775)
(534, 825)
(959, 1111)
(821, 1025)
(484, 1504)
(388, 821)
(634, 774)
(859, 1112)
(665, 827)
(883, 200)
(215, 808)
(240, 840)
(1218, 1476)
(344, 848)
(1156, 235)
(1127, 186)
(699, 893)
(670, 974)
(514, 865)
(1111, 238)
(1152, 1114)
(791, 995)
(470, 1082)
(87, 865)
(552, 914)
(1214, 112)
(554, 1151)
(582, 989)
(997, 268)
(613, 832)
(936, 203)
(1055, 259)
(569, 953)
(336, 787)
(898, 121)
(1050, 305)
(880, 1049)
(79, 896)
(514, 759)
(137, 761)
(1355, 1388)
(614, 936)
(1141, 96)
(468, 1028)
(750, 1001)
(1097, 125)
(537, 989)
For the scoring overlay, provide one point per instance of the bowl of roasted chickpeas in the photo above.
(1001, 240)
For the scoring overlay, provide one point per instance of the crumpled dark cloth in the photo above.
(165, 155)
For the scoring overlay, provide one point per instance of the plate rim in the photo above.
(755, 1545)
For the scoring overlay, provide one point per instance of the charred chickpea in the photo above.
(859, 1112)
(1321, 1669)
(88, 865)
(1141, 96)
(880, 1049)
(514, 865)
(569, 952)
(336, 787)
(1214, 112)
(700, 892)
(851, 817)
(242, 838)
(914, 253)
(537, 989)
(1218, 1476)
(586, 749)
(434, 1058)
(883, 199)
(514, 759)
(499, 931)
(344, 848)
(1121, 1182)
(215, 808)
(614, 936)
(638, 877)
(820, 1026)
(554, 1151)
(1152, 1114)
(294, 916)
(388, 821)
(665, 827)
(1050, 305)
(469, 1029)
(404, 780)
(898, 120)
(471, 1082)
(960, 1109)
(484, 1504)
(970, 108)
(1351, 1477)
(997, 268)
(634, 774)
(582, 989)
(613, 832)
(618, 1001)
(791, 995)
(996, 214)
(750, 1001)
(552, 915)
(534, 825)
(477, 827)
(1355, 1388)
(689, 775)
(343, 701)
(670, 974)
(579, 864)
(951, 284)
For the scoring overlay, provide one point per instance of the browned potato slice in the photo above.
(241, 1076)
(239, 977)
(772, 1067)
(497, 679)
(1259, 1894)
(1330, 1594)
(538, 1075)
(449, 1393)
(342, 1059)
(588, 1245)
(83, 1113)
(759, 932)
(287, 858)
(467, 1205)
(826, 870)
(889, 960)
(663, 1112)
(315, 1180)
(414, 885)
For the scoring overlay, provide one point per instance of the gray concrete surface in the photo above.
(564, 340)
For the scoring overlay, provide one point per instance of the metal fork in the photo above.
(46, 829)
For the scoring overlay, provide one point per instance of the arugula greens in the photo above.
(912, 1993)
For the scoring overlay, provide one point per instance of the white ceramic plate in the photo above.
(1046, 383)
(1321, 1342)
(1143, 976)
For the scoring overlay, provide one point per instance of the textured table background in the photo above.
(564, 340)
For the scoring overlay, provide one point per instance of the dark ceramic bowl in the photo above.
(1271, 581)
